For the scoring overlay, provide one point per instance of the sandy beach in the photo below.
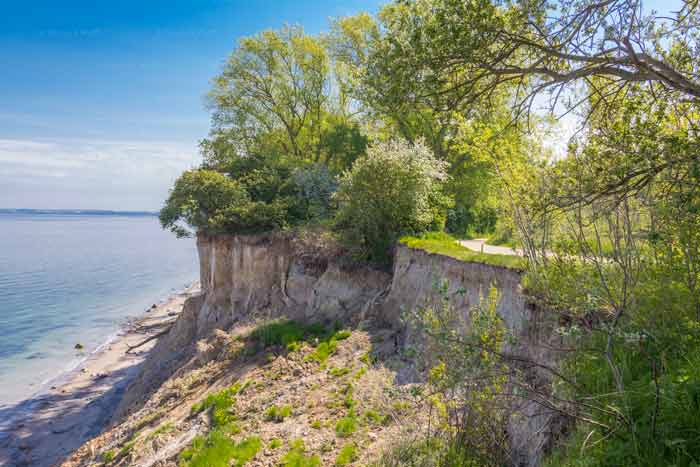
(43, 430)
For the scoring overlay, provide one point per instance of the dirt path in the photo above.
(45, 429)
(479, 244)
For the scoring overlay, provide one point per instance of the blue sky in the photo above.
(102, 102)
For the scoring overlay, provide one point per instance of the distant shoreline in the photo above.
(78, 212)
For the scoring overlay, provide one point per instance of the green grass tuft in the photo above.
(346, 426)
(274, 443)
(166, 427)
(221, 403)
(347, 455)
(217, 449)
(375, 417)
(291, 334)
(279, 333)
(296, 457)
(338, 372)
(108, 456)
(443, 244)
(278, 414)
(324, 350)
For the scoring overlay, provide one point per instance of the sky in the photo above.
(102, 102)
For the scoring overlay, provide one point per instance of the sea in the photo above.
(76, 277)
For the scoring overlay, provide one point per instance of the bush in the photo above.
(248, 195)
(315, 186)
(395, 189)
(212, 202)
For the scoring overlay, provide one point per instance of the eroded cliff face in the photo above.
(248, 278)
(424, 279)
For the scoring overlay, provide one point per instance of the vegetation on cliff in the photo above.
(426, 118)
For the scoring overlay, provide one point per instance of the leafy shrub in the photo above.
(395, 189)
(201, 199)
(429, 452)
(315, 186)
(248, 195)
(465, 380)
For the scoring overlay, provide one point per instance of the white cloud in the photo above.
(90, 173)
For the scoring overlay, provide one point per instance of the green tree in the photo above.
(211, 202)
(382, 60)
(277, 97)
(396, 188)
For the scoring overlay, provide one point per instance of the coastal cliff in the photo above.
(254, 279)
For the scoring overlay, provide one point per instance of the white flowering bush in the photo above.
(396, 189)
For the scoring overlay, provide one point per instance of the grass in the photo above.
(296, 457)
(126, 449)
(347, 455)
(279, 333)
(375, 417)
(444, 244)
(148, 419)
(324, 350)
(291, 334)
(346, 426)
(220, 403)
(166, 427)
(217, 449)
(274, 443)
(108, 456)
(337, 372)
(278, 414)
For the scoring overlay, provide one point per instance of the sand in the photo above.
(43, 430)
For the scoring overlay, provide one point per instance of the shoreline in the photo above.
(76, 405)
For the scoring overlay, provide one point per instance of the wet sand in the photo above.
(43, 430)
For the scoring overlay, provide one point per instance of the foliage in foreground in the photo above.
(634, 385)
(466, 377)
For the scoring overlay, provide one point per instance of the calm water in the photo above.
(66, 279)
